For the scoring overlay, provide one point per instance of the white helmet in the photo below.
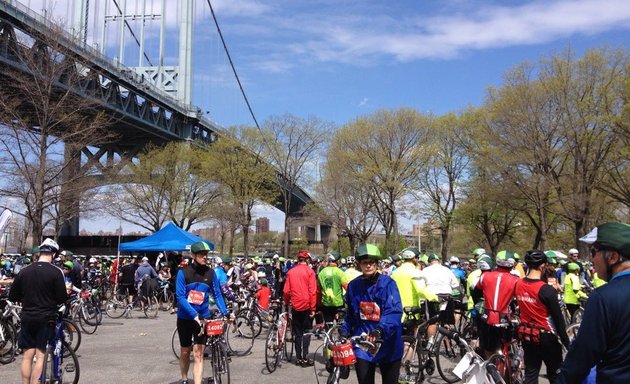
(407, 254)
(573, 250)
(49, 246)
(261, 274)
(92, 260)
(454, 259)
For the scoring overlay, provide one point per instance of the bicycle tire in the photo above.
(577, 316)
(238, 336)
(272, 349)
(71, 336)
(414, 368)
(69, 366)
(220, 364)
(44, 377)
(166, 300)
(288, 343)
(333, 378)
(86, 326)
(115, 308)
(254, 318)
(447, 354)
(502, 366)
(151, 307)
(8, 342)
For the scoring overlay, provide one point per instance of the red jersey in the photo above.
(300, 289)
(263, 295)
(533, 311)
(498, 292)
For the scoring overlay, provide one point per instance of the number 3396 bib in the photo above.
(369, 310)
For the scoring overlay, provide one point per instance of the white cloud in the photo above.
(363, 102)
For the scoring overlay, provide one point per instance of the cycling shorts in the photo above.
(35, 333)
(188, 331)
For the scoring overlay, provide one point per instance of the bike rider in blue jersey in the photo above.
(195, 286)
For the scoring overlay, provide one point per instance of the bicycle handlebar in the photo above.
(450, 334)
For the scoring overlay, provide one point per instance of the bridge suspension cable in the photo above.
(227, 52)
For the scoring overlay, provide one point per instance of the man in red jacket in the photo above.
(300, 292)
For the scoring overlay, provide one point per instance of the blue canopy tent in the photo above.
(169, 238)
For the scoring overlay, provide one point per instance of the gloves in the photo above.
(376, 333)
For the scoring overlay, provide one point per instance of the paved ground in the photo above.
(138, 350)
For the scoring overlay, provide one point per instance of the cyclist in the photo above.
(374, 307)
(604, 337)
(541, 321)
(300, 290)
(331, 281)
(223, 263)
(40, 288)
(196, 285)
(497, 290)
(145, 279)
(352, 271)
(263, 294)
(573, 289)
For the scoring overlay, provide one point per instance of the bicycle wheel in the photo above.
(254, 318)
(115, 307)
(8, 342)
(88, 326)
(577, 316)
(47, 369)
(500, 362)
(572, 331)
(412, 365)
(165, 299)
(239, 336)
(220, 363)
(69, 367)
(447, 354)
(271, 349)
(151, 307)
(333, 378)
(288, 343)
(93, 312)
(71, 336)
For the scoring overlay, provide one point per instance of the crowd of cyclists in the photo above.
(491, 300)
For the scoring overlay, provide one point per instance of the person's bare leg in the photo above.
(198, 368)
(27, 365)
(184, 362)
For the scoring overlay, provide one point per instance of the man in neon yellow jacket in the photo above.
(411, 285)
(573, 289)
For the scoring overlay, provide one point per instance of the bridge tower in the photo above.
(173, 80)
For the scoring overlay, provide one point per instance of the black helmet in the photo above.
(535, 258)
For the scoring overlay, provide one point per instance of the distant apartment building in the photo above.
(262, 225)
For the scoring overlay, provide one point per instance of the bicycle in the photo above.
(508, 359)
(278, 344)
(342, 352)
(119, 305)
(83, 308)
(417, 360)
(8, 335)
(472, 368)
(166, 297)
(237, 335)
(218, 355)
(58, 369)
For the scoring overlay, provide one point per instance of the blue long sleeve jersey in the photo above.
(193, 288)
(375, 303)
(604, 337)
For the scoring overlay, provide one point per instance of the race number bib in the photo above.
(369, 310)
(195, 297)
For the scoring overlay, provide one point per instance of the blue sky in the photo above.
(340, 59)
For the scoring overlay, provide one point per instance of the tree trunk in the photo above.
(287, 237)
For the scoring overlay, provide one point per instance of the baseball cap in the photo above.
(200, 246)
(610, 235)
(145, 258)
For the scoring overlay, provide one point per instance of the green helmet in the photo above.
(478, 252)
(27, 260)
(505, 259)
(485, 262)
(368, 251)
(68, 264)
(573, 267)
(424, 259)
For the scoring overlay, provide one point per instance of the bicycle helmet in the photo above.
(303, 254)
(368, 251)
(505, 259)
(68, 264)
(263, 281)
(572, 267)
(261, 274)
(350, 260)
(407, 254)
(49, 246)
(92, 260)
(535, 257)
(478, 252)
(485, 262)
(454, 260)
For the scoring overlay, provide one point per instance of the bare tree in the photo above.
(42, 115)
(291, 143)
